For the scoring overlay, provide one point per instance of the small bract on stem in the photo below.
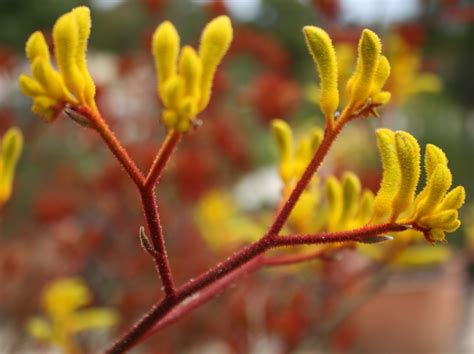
(184, 85)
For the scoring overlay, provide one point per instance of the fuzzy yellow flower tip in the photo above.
(62, 301)
(52, 90)
(10, 150)
(324, 56)
(294, 157)
(184, 78)
(434, 210)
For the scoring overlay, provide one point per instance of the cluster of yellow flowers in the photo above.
(184, 84)
(62, 301)
(364, 88)
(52, 90)
(10, 150)
(433, 211)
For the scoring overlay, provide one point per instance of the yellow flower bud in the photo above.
(317, 136)
(391, 174)
(334, 195)
(365, 210)
(36, 47)
(283, 138)
(360, 84)
(49, 79)
(351, 193)
(83, 19)
(435, 190)
(29, 86)
(190, 69)
(215, 41)
(66, 41)
(408, 152)
(165, 48)
(381, 75)
(380, 98)
(173, 91)
(11, 146)
(441, 220)
(433, 156)
(324, 56)
(454, 199)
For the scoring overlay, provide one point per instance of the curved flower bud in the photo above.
(324, 56)
(454, 199)
(83, 19)
(360, 84)
(10, 150)
(408, 152)
(351, 194)
(36, 47)
(433, 156)
(165, 48)
(435, 190)
(66, 42)
(215, 41)
(190, 69)
(335, 199)
(391, 174)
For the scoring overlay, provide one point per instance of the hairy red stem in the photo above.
(234, 265)
(162, 158)
(114, 144)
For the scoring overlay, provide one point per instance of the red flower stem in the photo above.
(204, 296)
(233, 267)
(290, 259)
(114, 144)
(162, 158)
(147, 194)
(158, 240)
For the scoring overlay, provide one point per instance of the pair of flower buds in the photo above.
(184, 83)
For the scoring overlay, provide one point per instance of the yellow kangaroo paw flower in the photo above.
(440, 220)
(381, 75)
(433, 156)
(44, 107)
(361, 82)
(317, 135)
(215, 41)
(49, 79)
(173, 91)
(36, 47)
(66, 41)
(453, 226)
(11, 146)
(283, 137)
(381, 98)
(408, 152)
(190, 69)
(165, 48)
(454, 199)
(390, 182)
(334, 195)
(83, 19)
(365, 208)
(435, 190)
(351, 193)
(30, 86)
(323, 53)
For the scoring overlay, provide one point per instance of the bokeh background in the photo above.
(75, 213)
